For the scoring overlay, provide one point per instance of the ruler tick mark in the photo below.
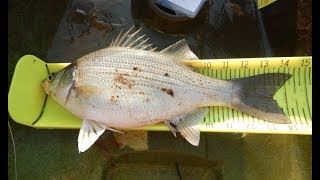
(304, 115)
(294, 82)
(223, 120)
(310, 75)
(288, 73)
(305, 89)
(299, 76)
(294, 115)
(298, 112)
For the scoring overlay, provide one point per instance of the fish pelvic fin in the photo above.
(188, 125)
(90, 132)
(254, 95)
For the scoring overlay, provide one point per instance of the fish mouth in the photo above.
(45, 86)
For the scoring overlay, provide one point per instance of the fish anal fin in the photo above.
(188, 125)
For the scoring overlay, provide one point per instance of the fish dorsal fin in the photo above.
(132, 41)
(188, 125)
(178, 52)
(89, 133)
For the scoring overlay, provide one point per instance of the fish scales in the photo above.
(152, 67)
(148, 79)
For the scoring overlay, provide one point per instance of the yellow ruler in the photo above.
(295, 97)
(27, 102)
(264, 3)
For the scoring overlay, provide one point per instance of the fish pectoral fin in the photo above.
(86, 91)
(89, 133)
(188, 125)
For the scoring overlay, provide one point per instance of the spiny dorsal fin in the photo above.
(177, 52)
(130, 40)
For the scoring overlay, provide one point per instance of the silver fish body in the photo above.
(127, 86)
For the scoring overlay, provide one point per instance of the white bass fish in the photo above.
(128, 85)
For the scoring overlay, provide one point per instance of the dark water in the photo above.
(62, 31)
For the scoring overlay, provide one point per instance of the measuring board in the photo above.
(295, 97)
(264, 3)
(27, 98)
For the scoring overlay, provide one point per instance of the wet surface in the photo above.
(222, 30)
(64, 31)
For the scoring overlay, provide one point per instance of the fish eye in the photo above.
(50, 77)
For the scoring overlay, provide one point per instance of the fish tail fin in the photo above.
(254, 95)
